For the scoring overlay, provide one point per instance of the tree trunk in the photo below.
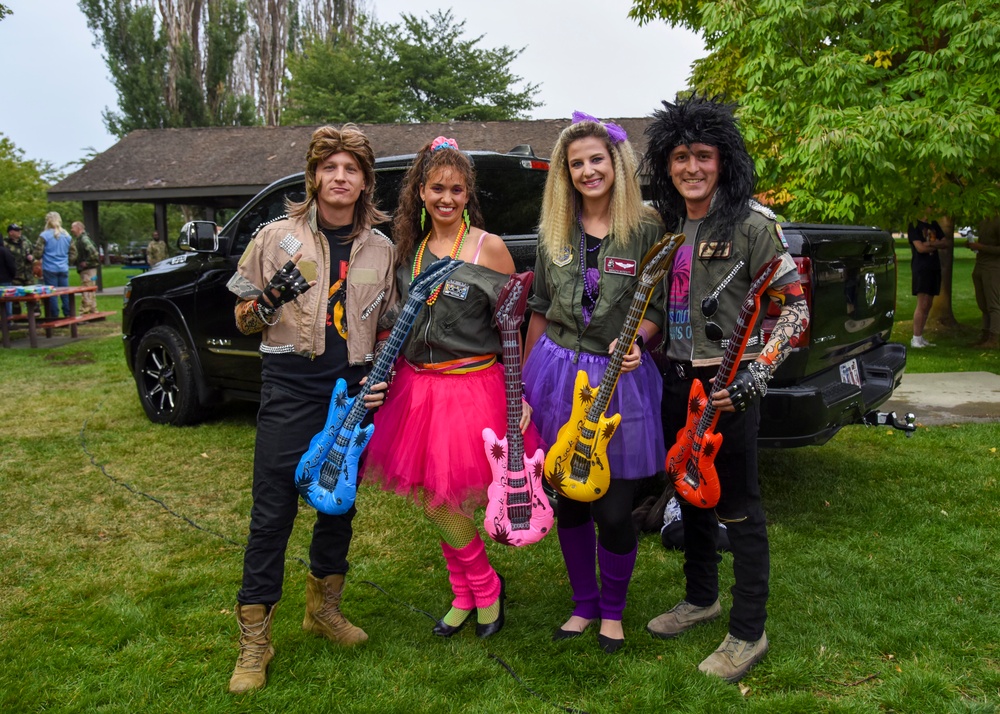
(941, 310)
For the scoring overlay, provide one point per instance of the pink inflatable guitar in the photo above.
(517, 510)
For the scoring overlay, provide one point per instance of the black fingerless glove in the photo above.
(747, 385)
(288, 283)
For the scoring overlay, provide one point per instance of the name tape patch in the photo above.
(620, 266)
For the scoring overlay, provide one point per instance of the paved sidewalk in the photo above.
(947, 397)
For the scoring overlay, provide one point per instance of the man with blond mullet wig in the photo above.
(318, 285)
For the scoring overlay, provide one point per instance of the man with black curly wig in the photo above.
(703, 181)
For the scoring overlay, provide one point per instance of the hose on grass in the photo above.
(191, 522)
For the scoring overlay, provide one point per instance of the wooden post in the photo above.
(92, 224)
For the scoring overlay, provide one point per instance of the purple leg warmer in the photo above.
(616, 572)
(579, 546)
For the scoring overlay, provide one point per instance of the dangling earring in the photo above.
(465, 217)
(423, 217)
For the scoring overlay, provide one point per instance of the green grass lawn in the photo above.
(121, 544)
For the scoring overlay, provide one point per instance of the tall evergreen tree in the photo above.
(419, 70)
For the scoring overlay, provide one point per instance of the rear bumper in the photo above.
(811, 412)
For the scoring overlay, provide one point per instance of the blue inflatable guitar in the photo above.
(327, 474)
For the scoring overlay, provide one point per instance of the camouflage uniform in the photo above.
(88, 258)
(155, 252)
(21, 249)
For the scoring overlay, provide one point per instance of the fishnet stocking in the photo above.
(458, 531)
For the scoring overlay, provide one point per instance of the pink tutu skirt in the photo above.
(428, 440)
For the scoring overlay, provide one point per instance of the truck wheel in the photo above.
(165, 378)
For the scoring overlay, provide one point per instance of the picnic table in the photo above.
(47, 323)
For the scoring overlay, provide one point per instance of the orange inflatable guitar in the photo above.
(576, 465)
(691, 461)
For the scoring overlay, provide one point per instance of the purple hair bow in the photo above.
(443, 142)
(615, 132)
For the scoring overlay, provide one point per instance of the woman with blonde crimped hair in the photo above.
(593, 235)
(449, 384)
(559, 205)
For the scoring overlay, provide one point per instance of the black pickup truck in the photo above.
(184, 350)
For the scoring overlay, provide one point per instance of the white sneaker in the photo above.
(919, 342)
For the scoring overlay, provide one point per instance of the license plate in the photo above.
(849, 373)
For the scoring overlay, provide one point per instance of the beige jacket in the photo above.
(301, 323)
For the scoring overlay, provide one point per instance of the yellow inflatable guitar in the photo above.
(576, 465)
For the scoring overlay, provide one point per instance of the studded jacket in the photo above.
(300, 325)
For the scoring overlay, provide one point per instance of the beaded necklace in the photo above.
(591, 276)
(455, 250)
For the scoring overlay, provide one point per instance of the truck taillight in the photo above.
(536, 164)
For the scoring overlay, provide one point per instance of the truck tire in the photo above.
(165, 378)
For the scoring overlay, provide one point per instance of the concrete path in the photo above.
(947, 397)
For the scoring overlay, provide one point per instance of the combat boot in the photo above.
(256, 651)
(323, 615)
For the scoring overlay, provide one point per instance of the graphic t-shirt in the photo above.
(314, 379)
(679, 296)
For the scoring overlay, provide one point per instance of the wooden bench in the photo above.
(71, 322)
(31, 300)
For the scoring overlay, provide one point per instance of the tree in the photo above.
(22, 188)
(163, 76)
(421, 70)
(857, 111)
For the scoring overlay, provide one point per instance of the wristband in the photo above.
(641, 338)
(266, 313)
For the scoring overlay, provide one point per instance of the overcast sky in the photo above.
(583, 54)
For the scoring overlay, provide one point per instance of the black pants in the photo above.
(285, 426)
(612, 513)
(739, 507)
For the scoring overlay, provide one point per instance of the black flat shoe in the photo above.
(609, 644)
(561, 634)
(443, 630)
(491, 628)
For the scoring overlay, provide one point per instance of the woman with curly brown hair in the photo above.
(449, 385)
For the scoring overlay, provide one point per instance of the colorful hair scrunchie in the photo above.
(443, 142)
(615, 132)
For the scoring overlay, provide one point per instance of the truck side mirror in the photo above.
(199, 237)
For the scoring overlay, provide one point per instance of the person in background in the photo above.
(986, 281)
(318, 287)
(594, 232)
(926, 239)
(56, 250)
(449, 384)
(702, 182)
(24, 260)
(87, 260)
(7, 272)
(156, 250)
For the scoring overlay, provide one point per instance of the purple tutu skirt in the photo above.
(636, 449)
(428, 439)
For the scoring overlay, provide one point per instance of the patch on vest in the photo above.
(715, 249)
(781, 236)
(620, 266)
(456, 289)
(563, 258)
